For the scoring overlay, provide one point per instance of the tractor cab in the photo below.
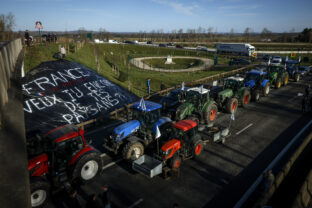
(253, 77)
(234, 83)
(197, 95)
(148, 116)
(183, 131)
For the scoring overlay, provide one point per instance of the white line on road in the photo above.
(270, 166)
(111, 164)
(249, 125)
(136, 203)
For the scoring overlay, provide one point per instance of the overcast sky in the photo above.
(147, 15)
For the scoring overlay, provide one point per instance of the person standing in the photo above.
(27, 38)
(63, 52)
(162, 86)
(148, 83)
(105, 196)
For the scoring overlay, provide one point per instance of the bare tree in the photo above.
(209, 32)
(7, 23)
(247, 32)
(266, 33)
(180, 31)
(232, 32)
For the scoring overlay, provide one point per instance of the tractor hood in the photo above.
(126, 129)
(226, 92)
(250, 83)
(160, 122)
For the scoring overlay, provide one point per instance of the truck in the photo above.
(184, 143)
(243, 49)
(258, 84)
(131, 138)
(197, 106)
(61, 155)
(232, 93)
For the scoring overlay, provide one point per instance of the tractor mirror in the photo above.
(299, 94)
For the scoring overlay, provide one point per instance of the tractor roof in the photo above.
(257, 72)
(185, 125)
(150, 106)
(235, 78)
(63, 132)
(291, 62)
(197, 89)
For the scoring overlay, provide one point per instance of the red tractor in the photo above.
(62, 155)
(184, 143)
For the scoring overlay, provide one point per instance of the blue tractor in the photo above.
(258, 84)
(293, 69)
(131, 138)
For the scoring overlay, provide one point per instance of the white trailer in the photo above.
(236, 48)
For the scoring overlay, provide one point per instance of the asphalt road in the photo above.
(222, 173)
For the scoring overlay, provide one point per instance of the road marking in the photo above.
(111, 164)
(136, 203)
(249, 125)
(270, 166)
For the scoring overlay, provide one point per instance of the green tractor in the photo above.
(231, 94)
(277, 76)
(198, 106)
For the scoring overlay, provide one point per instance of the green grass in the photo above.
(178, 63)
(117, 56)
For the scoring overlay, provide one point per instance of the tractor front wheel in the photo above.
(132, 151)
(278, 83)
(255, 95)
(175, 162)
(297, 77)
(231, 105)
(245, 99)
(286, 78)
(266, 89)
(88, 167)
(211, 113)
(39, 192)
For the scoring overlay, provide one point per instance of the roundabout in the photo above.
(188, 64)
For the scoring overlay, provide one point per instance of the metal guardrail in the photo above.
(115, 114)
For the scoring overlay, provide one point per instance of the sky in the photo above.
(167, 15)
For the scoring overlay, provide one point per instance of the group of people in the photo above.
(72, 196)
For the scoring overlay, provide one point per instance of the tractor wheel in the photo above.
(266, 89)
(231, 105)
(278, 83)
(132, 151)
(297, 77)
(194, 118)
(255, 95)
(211, 113)
(175, 162)
(39, 192)
(198, 147)
(88, 167)
(286, 78)
(245, 99)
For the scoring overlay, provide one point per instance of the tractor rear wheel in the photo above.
(286, 78)
(132, 151)
(297, 77)
(278, 83)
(231, 105)
(211, 113)
(266, 89)
(39, 192)
(245, 99)
(88, 167)
(175, 162)
(198, 147)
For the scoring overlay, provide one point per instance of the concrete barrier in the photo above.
(305, 195)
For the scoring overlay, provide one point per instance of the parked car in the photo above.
(162, 45)
(237, 61)
(179, 46)
(201, 48)
(149, 42)
(170, 44)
